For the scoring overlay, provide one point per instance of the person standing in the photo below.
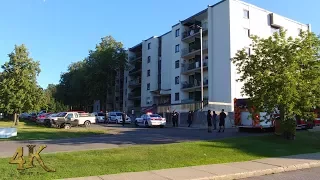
(124, 117)
(209, 120)
(214, 120)
(173, 117)
(177, 119)
(222, 118)
(190, 118)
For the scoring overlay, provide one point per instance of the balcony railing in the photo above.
(135, 70)
(194, 48)
(195, 84)
(185, 67)
(136, 82)
(194, 31)
(134, 95)
(191, 100)
(136, 57)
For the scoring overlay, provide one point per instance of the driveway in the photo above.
(120, 137)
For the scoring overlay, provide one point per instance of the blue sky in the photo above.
(58, 32)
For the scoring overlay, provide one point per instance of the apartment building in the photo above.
(166, 69)
(114, 101)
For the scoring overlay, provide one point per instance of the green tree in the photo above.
(282, 74)
(18, 86)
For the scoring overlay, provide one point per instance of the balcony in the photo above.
(134, 95)
(190, 86)
(135, 71)
(193, 100)
(188, 68)
(135, 83)
(190, 33)
(135, 58)
(194, 49)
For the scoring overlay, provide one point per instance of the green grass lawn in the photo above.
(31, 131)
(142, 158)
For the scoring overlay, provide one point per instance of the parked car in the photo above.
(149, 120)
(25, 116)
(100, 117)
(116, 117)
(69, 119)
(41, 117)
(33, 117)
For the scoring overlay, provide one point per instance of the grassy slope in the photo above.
(142, 158)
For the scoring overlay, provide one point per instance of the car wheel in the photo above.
(67, 126)
(87, 123)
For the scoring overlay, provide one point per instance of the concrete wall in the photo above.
(166, 60)
(153, 67)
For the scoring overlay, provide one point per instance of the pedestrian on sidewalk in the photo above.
(124, 117)
(209, 120)
(222, 118)
(177, 119)
(214, 120)
(190, 118)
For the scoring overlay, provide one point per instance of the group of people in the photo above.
(212, 118)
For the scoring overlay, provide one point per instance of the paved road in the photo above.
(120, 137)
(306, 174)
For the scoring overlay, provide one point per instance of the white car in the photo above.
(116, 117)
(148, 120)
(100, 117)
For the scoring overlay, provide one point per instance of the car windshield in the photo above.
(61, 115)
(119, 114)
(155, 115)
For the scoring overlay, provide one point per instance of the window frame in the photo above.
(149, 59)
(149, 45)
(148, 73)
(246, 14)
(177, 32)
(148, 86)
(177, 64)
(177, 96)
(177, 48)
(177, 80)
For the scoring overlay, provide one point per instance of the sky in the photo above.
(59, 32)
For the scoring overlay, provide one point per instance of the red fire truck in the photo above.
(241, 111)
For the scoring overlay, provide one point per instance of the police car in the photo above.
(149, 120)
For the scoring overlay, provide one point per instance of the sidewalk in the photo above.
(227, 171)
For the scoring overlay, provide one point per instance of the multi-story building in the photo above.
(168, 67)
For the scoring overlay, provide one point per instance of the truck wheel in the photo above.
(87, 123)
(67, 126)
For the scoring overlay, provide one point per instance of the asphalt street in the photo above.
(120, 137)
(305, 174)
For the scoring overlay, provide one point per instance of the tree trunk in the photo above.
(15, 119)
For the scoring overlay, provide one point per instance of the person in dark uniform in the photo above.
(177, 119)
(209, 120)
(214, 120)
(174, 118)
(222, 118)
(124, 117)
(190, 118)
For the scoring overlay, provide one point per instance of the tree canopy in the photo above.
(91, 78)
(19, 90)
(282, 73)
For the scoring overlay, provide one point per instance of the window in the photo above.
(177, 32)
(69, 116)
(177, 64)
(149, 59)
(148, 72)
(177, 48)
(176, 96)
(148, 86)
(176, 80)
(246, 14)
(247, 32)
(149, 45)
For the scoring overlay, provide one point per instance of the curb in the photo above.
(262, 172)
